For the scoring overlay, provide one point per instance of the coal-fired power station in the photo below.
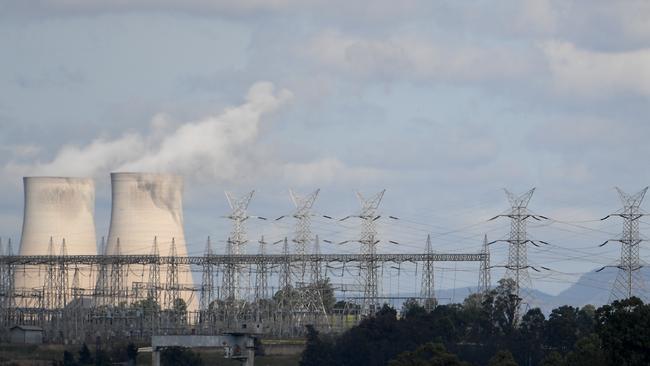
(147, 218)
(57, 210)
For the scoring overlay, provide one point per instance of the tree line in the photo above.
(486, 330)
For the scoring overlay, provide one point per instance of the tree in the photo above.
(412, 308)
(588, 351)
(586, 320)
(562, 328)
(502, 358)
(132, 353)
(553, 359)
(505, 305)
(179, 356)
(531, 335)
(84, 355)
(624, 328)
(68, 359)
(317, 352)
(429, 354)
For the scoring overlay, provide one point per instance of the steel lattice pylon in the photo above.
(369, 243)
(308, 305)
(629, 281)
(236, 244)
(207, 280)
(427, 290)
(517, 267)
(484, 277)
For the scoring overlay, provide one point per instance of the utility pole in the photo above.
(369, 243)
(628, 281)
(427, 290)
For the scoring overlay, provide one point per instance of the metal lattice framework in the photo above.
(143, 313)
(517, 266)
(484, 276)
(369, 243)
(427, 290)
(629, 281)
(233, 278)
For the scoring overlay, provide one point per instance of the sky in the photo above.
(441, 103)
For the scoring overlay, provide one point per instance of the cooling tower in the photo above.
(147, 205)
(57, 208)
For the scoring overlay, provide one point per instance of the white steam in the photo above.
(219, 148)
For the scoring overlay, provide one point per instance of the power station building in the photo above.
(148, 207)
(57, 210)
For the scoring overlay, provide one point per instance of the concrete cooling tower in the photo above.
(57, 208)
(147, 206)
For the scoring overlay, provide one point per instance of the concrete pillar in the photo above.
(250, 357)
(155, 357)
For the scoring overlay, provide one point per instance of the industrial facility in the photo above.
(140, 282)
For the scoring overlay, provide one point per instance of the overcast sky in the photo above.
(443, 103)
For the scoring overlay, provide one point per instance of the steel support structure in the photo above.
(369, 240)
(629, 282)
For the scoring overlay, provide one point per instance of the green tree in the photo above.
(586, 320)
(85, 357)
(429, 354)
(562, 328)
(412, 308)
(588, 351)
(624, 328)
(502, 358)
(553, 359)
(68, 359)
(179, 356)
(317, 352)
(132, 353)
(506, 303)
(531, 335)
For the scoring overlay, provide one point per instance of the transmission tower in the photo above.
(369, 243)
(172, 288)
(629, 282)
(237, 242)
(261, 283)
(303, 235)
(427, 289)
(117, 278)
(517, 267)
(207, 283)
(154, 272)
(49, 290)
(285, 289)
(101, 292)
(484, 277)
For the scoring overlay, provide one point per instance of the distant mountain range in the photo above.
(591, 288)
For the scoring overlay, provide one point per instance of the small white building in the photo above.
(26, 334)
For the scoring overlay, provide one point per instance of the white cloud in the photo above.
(597, 74)
(326, 171)
(416, 58)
